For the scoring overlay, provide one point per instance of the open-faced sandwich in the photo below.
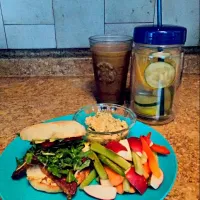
(55, 160)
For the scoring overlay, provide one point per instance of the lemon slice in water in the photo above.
(159, 74)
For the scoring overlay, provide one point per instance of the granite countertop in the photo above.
(25, 101)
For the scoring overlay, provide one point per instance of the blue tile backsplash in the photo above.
(28, 24)
(3, 44)
(76, 20)
(30, 36)
(27, 11)
(118, 11)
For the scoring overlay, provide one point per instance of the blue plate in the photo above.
(21, 190)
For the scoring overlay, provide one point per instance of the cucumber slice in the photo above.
(147, 111)
(146, 101)
(159, 74)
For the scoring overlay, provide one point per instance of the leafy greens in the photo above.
(61, 158)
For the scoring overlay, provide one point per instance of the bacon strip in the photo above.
(68, 188)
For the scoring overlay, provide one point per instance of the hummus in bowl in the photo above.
(105, 122)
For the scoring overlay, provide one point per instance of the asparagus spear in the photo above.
(98, 166)
(111, 164)
(92, 175)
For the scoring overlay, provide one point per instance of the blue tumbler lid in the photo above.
(160, 35)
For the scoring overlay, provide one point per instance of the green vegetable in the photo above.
(111, 164)
(28, 158)
(137, 164)
(126, 185)
(61, 157)
(98, 166)
(82, 166)
(159, 74)
(47, 154)
(55, 171)
(146, 100)
(92, 175)
(70, 177)
(111, 155)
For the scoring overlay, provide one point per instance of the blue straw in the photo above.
(159, 13)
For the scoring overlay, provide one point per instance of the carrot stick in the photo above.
(147, 170)
(114, 178)
(160, 149)
(153, 164)
(132, 189)
(120, 189)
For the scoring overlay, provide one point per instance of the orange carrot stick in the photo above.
(114, 178)
(147, 170)
(153, 164)
(132, 189)
(120, 189)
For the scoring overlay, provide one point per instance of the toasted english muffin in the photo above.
(53, 131)
(40, 181)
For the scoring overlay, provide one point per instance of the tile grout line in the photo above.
(154, 13)
(54, 22)
(4, 26)
(129, 22)
(29, 24)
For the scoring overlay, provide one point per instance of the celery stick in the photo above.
(92, 175)
(111, 155)
(111, 164)
(98, 166)
(137, 164)
(126, 185)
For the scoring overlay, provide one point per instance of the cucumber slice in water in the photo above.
(146, 111)
(159, 74)
(149, 105)
(145, 100)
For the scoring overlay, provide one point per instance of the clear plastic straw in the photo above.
(159, 13)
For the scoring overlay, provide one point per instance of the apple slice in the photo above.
(115, 146)
(125, 154)
(137, 181)
(105, 182)
(101, 192)
(155, 182)
(136, 145)
(144, 157)
(121, 148)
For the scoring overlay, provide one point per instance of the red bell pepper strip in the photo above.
(147, 138)
(160, 149)
(153, 164)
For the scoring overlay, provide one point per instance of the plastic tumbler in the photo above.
(156, 71)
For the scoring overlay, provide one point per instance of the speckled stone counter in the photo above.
(25, 101)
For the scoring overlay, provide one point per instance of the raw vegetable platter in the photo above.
(21, 190)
